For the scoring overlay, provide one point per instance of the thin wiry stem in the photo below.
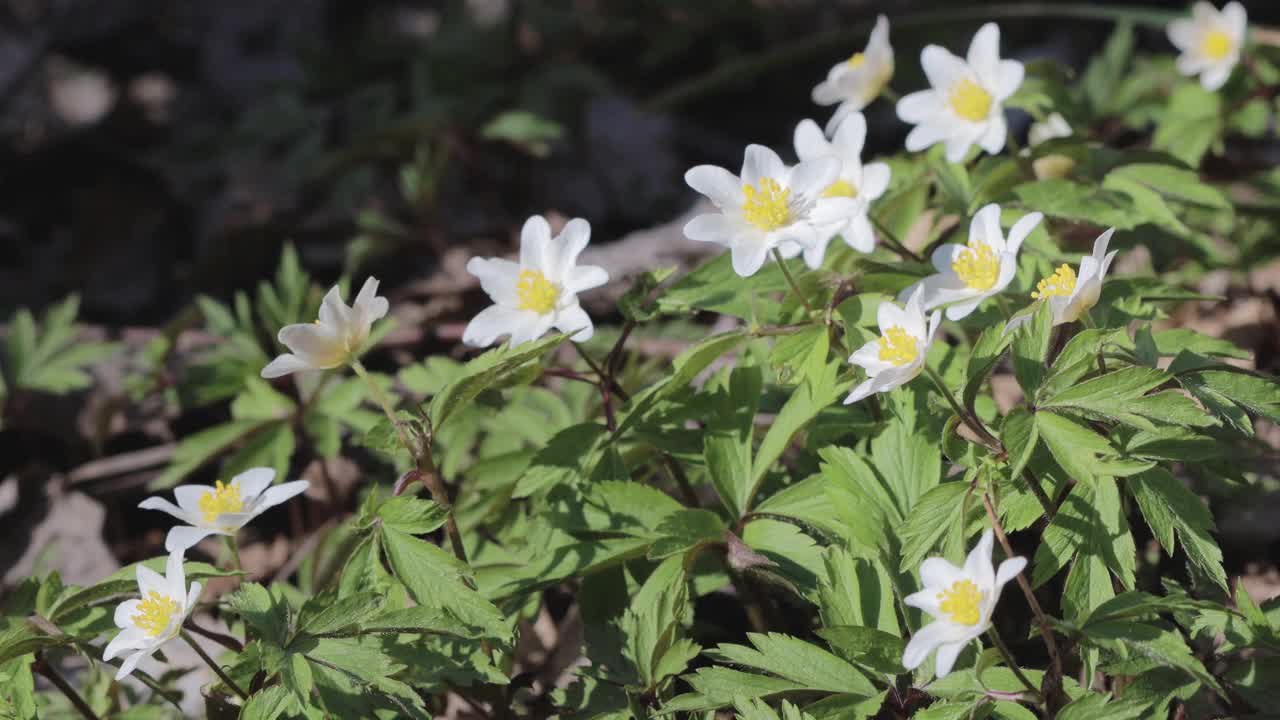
(795, 287)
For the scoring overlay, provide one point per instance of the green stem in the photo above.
(217, 669)
(795, 287)
(43, 667)
(889, 239)
(1010, 662)
(966, 417)
(233, 548)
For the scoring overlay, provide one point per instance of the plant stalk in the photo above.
(45, 668)
(795, 287)
(1009, 661)
(217, 669)
(976, 425)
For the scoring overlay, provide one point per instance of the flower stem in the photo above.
(45, 668)
(795, 288)
(217, 669)
(1009, 661)
(887, 236)
(966, 417)
(1053, 679)
(233, 549)
(426, 465)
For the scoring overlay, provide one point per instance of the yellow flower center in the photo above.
(970, 101)
(536, 292)
(222, 499)
(1216, 45)
(856, 60)
(767, 204)
(1061, 283)
(898, 347)
(840, 188)
(962, 602)
(977, 265)
(154, 613)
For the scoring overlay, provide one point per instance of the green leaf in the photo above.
(526, 130)
(729, 438)
(485, 372)
(686, 529)
(855, 591)
(1190, 123)
(1019, 437)
(635, 304)
(1168, 506)
(199, 448)
(1031, 348)
(874, 649)
(266, 613)
(434, 579)
(984, 357)
(124, 581)
(796, 660)
(1140, 646)
(1079, 202)
(1073, 445)
(411, 515)
(269, 703)
(942, 509)
(1107, 69)
(327, 614)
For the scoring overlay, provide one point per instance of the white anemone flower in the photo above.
(1049, 166)
(154, 619)
(335, 339)
(221, 509)
(960, 600)
(898, 355)
(860, 183)
(968, 274)
(1054, 126)
(965, 104)
(1210, 42)
(538, 293)
(770, 206)
(1070, 295)
(855, 82)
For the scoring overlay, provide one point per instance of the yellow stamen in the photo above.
(1216, 45)
(856, 60)
(222, 499)
(767, 205)
(962, 602)
(154, 613)
(977, 265)
(898, 347)
(1061, 283)
(841, 188)
(970, 101)
(536, 292)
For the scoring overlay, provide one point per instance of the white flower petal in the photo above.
(492, 323)
(862, 391)
(946, 658)
(150, 581)
(712, 227)
(532, 327)
(985, 228)
(920, 107)
(984, 53)
(1215, 77)
(316, 344)
(183, 537)
(826, 92)
(962, 309)
(1236, 19)
(563, 251)
(1009, 569)
(1020, 230)
(368, 306)
(253, 481)
(585, 277)
(859, 234)
(124, 615)
(811, 177)
(809, 141)
(748, 258)
(333, 312)
(958, 147)
(188, 497)
(535, 235)
(868, 358)
(942, 68)
(174, 575)
(722, 187)
(760, 162)
(875, 180)
(278, 494)
(890, 315)
(159, 503)
(193, 595)
(131, 663)
(285, 364)
(850, 137)
(978, 564)
(130, 638)
(1182, 33)
(498, 278)
(922, 643)
(1009, 77)
(575, 320)
(936, 572)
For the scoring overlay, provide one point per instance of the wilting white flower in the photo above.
(540, 291)
(898, 355)
(960, 600)
(222, 509)
(969, 274)
(858, 182)
(154, 619)
(1210, 42)
(333, 340)
(855, 82)
(770, 206)
(1049, 166)
(966, 102)
(1054, 126)
(1070, 295)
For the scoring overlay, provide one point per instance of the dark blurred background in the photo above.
(153, 149)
